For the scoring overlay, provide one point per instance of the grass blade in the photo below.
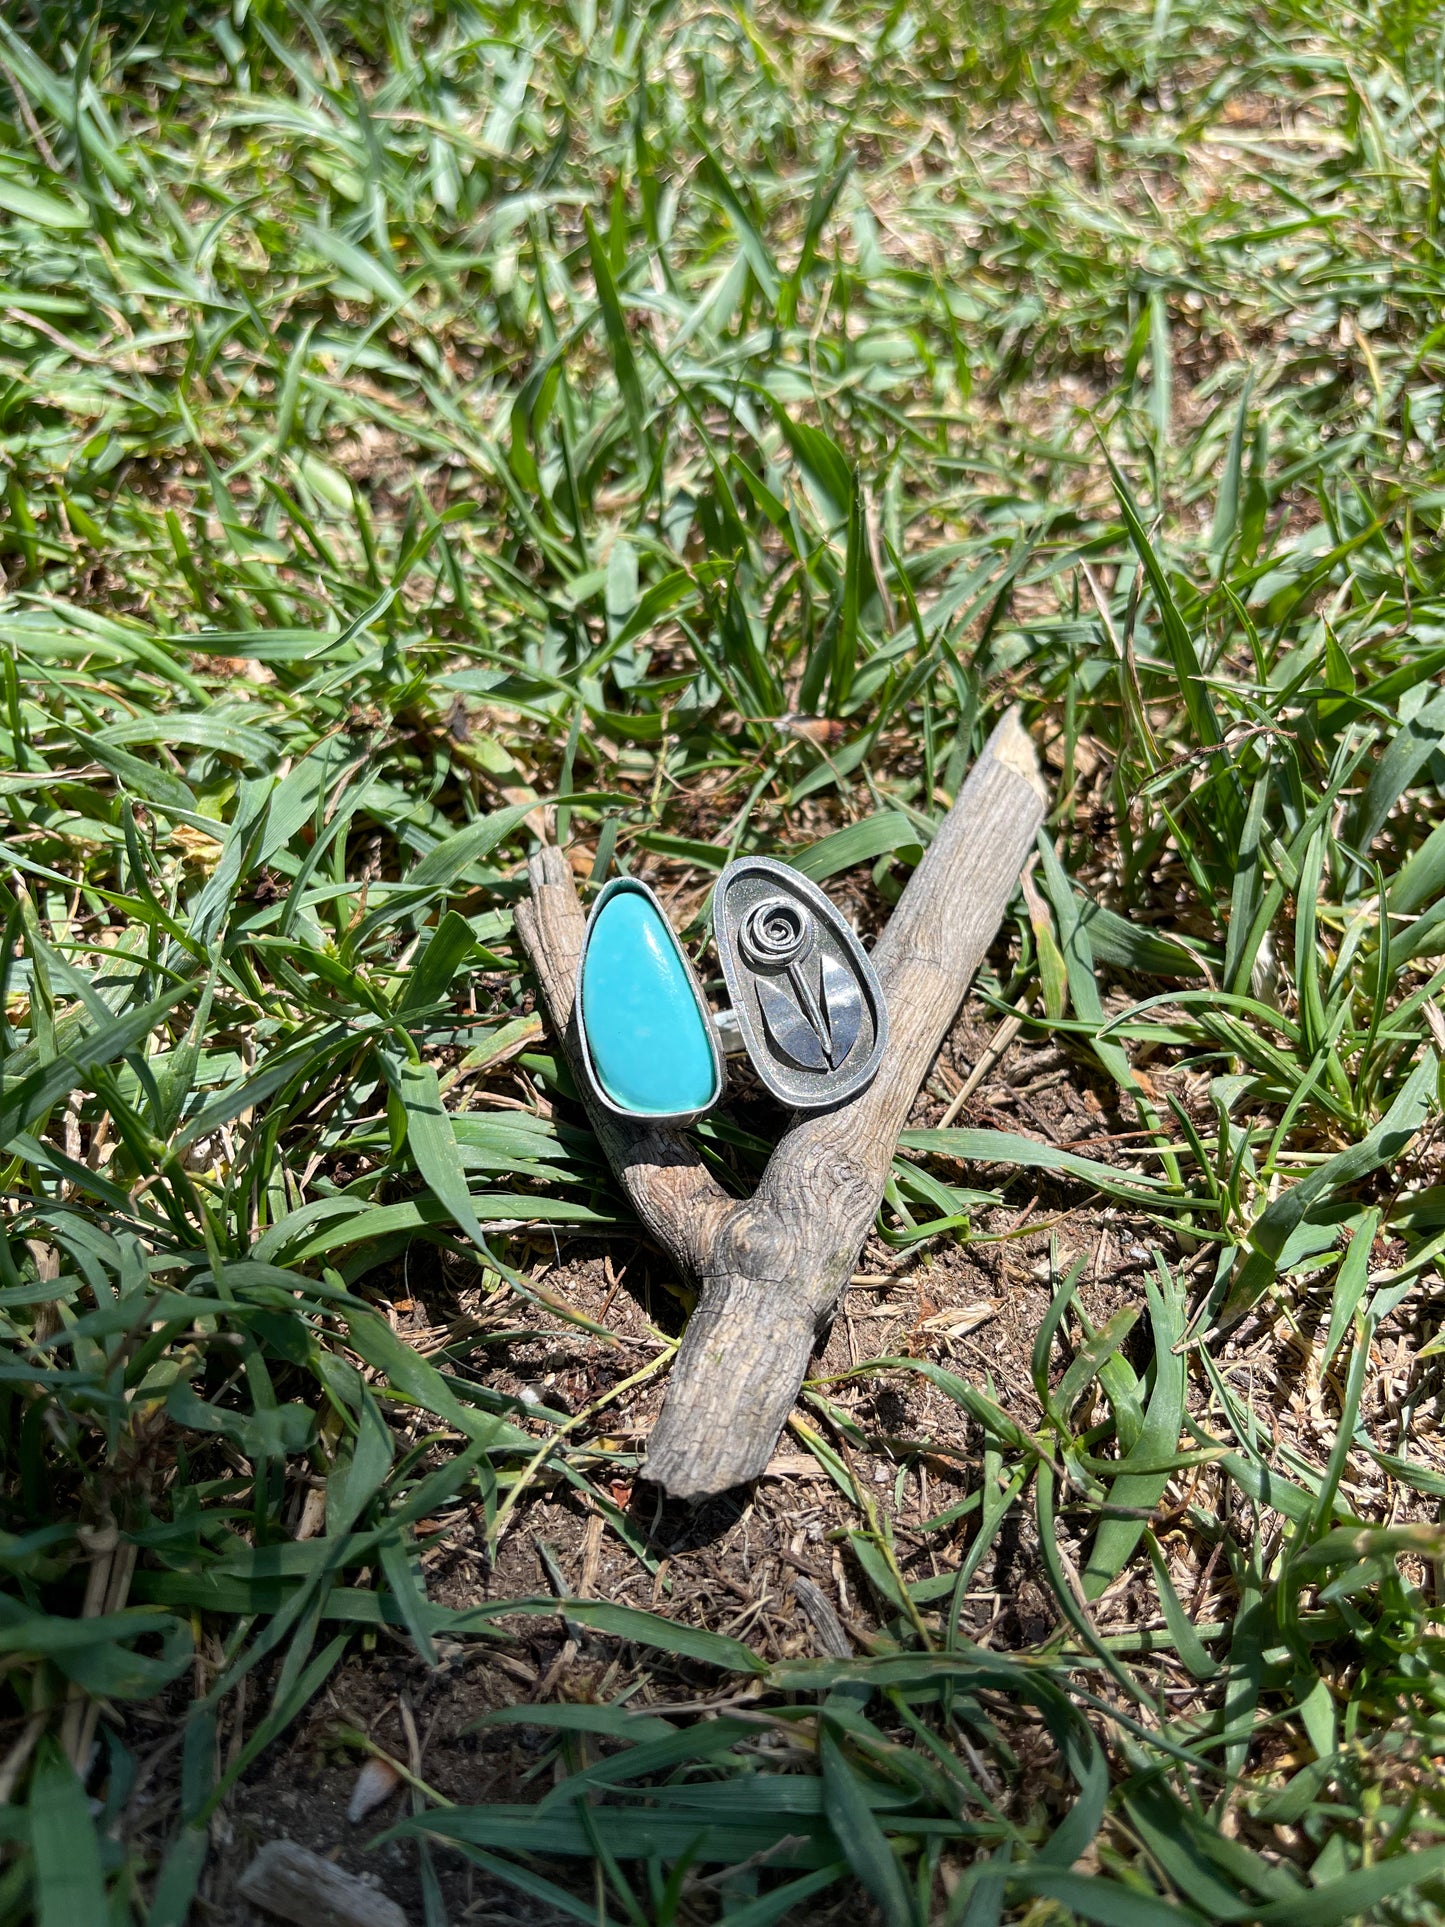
(69, 1882)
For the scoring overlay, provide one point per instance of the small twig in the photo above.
(72, 348)
(16, 1760)
(704, 1883)
(27, 115)
(550, 1444)
(996, 1048)
(77, 1728)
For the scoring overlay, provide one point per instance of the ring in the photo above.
(807, 1006)
(805, 998)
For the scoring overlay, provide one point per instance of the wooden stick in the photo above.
(770, 1268)
(298, 1885)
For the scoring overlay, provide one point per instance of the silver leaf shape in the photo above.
(789, 1029)
(844, 1003)
(811, 1014)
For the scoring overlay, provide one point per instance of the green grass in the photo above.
(411, 419)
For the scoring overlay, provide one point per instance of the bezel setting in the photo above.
(805, 996)
(616, 887)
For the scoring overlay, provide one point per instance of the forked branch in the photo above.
(770, 1268)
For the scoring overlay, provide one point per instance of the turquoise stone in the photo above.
(648, 1043)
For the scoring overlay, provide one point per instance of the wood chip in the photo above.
(297, 1885)
(821, 1616)
(957, 1319)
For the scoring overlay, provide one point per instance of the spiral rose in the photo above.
(775, 933)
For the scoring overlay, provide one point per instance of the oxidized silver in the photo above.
(805, 997)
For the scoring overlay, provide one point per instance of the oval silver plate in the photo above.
(807, 1000)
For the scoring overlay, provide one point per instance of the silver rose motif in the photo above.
(816, 1026)
(805, 996)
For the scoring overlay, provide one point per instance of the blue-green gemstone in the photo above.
(648, 1043)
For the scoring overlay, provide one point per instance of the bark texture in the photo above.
(295, 1884)
(770, 1268)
